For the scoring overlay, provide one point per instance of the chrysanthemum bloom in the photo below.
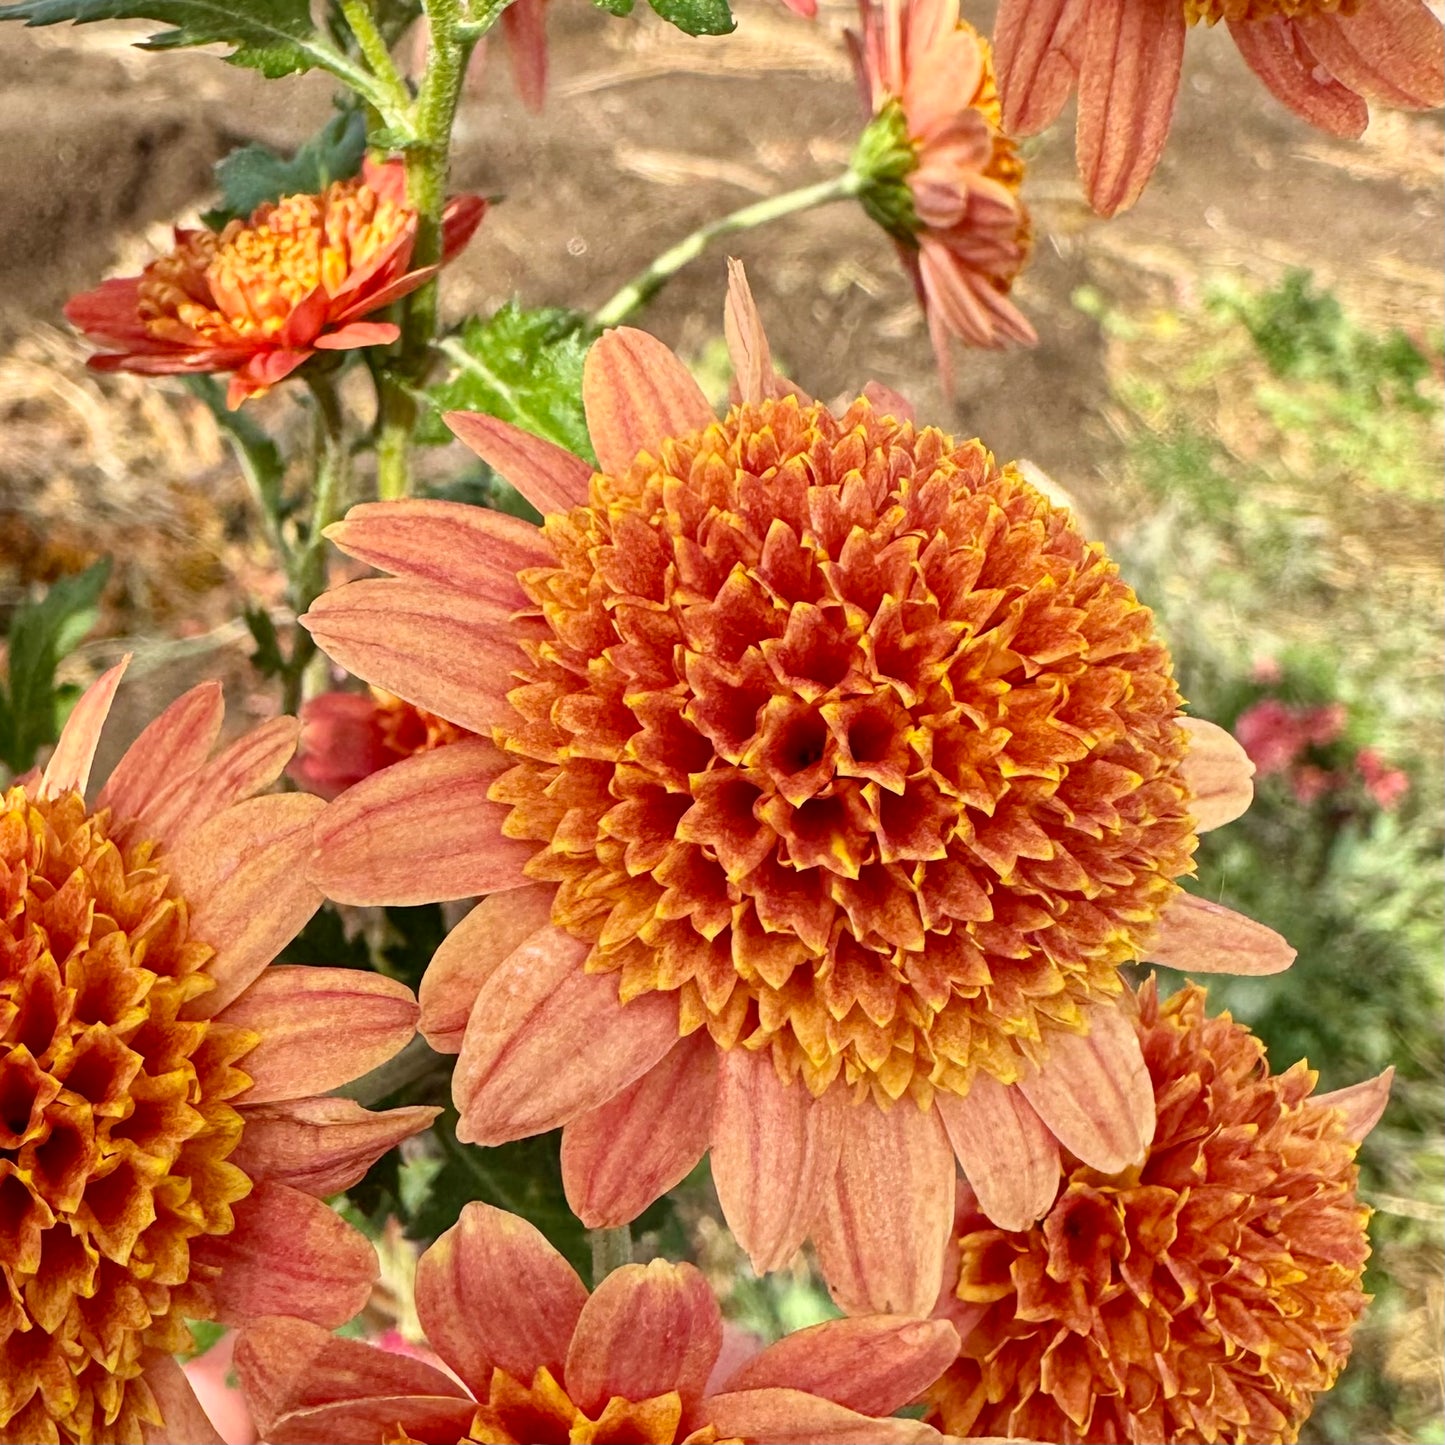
(163, 1143)
(348, 736)
(1208, 1294)
(1324, 59)
(834, 776)
(262, 296)
(947, 178)
(535, 1358)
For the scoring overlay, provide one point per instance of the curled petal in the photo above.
(69, 765)
(174, 745)
(183, 1415)
(1276, 51)
(1391, 52)
(1035, 74)
(1094, 1092)
(550, 478)
(1218, 772)
(792, 1417)
(1196, 936)
(1362, 1104)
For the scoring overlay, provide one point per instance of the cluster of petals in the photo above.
(348, 736)
(165, 1145)
(969, 235)
(264, 295)
(1207, 1294)
(837, 889)
(1324, 59)
(530, 1356)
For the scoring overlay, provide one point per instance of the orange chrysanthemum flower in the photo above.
(264, 295)
(348, 736)
(163, 1143)
(834, 776)
(1324, 59)
(949, 178)
(536, 1358)
(1207, 1294)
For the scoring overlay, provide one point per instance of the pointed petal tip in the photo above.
(69, 765)
(1362, 1104)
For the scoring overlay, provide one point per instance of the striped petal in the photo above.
(1218, 773)
(1035, 75)
(752, 358)
(1196, 936)
(793, 1417)
(1362, 1104)
(172, 746)
(1277, 53)
(551, 479)
(69, 765)
(1390, 51)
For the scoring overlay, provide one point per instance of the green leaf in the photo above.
(253, 175)
(42, 633)
(275, 37)
(523, 366)
(697, 17)
(615, 7)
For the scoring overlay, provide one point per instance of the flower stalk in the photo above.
(611, 1249)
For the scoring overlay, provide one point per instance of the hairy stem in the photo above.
(611, 1249)
(376, 53)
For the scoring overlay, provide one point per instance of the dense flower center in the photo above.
(851, 739)
(1210, 12)
(114, 1124)
(243, 283)
(1208, 1295)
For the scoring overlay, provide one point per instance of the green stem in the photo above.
(611, 1249)
(643, 287)
(376, 52)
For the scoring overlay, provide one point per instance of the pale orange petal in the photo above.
(1390, 51)
(288, 1255)
(550, 478)
(321, 1146)
(1218, 772)
(173, 746)
(412, 1417)
(547, 1041)
(1362, 1104)
(1276, 51)
(475, 549)
(420, 831)
(637, 393)
(1196, 936)
(875, 1364)
(493, 1292)
(774, 1151)
(243, 874)
(319, 1027)
(647, 1329)
(1128, 80)
(643, 1141)
(1007, 1152)
(791, 1417)
(69, 765)
(1034, 73)
(748, 348)
(888, 1215)
(889, 402)
(437, 647)
(469, 953)
(289, 1368)
(186, 1423)
(1094, 1092)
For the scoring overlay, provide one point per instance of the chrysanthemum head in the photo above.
(1209, 1293)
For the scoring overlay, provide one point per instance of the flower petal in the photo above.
(1128, 79)
(752, 358)
(289, 1254)
(321, 1146)
(774, 1152)
(643, 1141)
(1362, 1104)
(1094, 1092)
(319, 1027)
(469, 954)
(889, 402)
(493, 1292)
(887, 1217)
(547, 1041)
(358, 333)
(289, 1367)
(1391, 52)
(1006, 1151)
(1196, 936)
(437, 647)
(460, 219)
(875, 1364)
(420, 831)
(376, 1417)
(636, 394)
(648, 1329)
(1218, 772)
(1035, 75)
(69, 765)
(473, 548)
(1277, 53)
(185, 1419)
(791, 1417)
(174, 745)
(243, 874)
(549, 477)
(525, 26)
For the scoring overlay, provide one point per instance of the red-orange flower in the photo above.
(262, 296)
(536, 1358)
(164, 1142)
(1208, 1294)
(1324, 59)
(953, 204)
(834, 774)
(348, 736)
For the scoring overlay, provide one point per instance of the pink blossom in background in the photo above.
(1386, 785)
